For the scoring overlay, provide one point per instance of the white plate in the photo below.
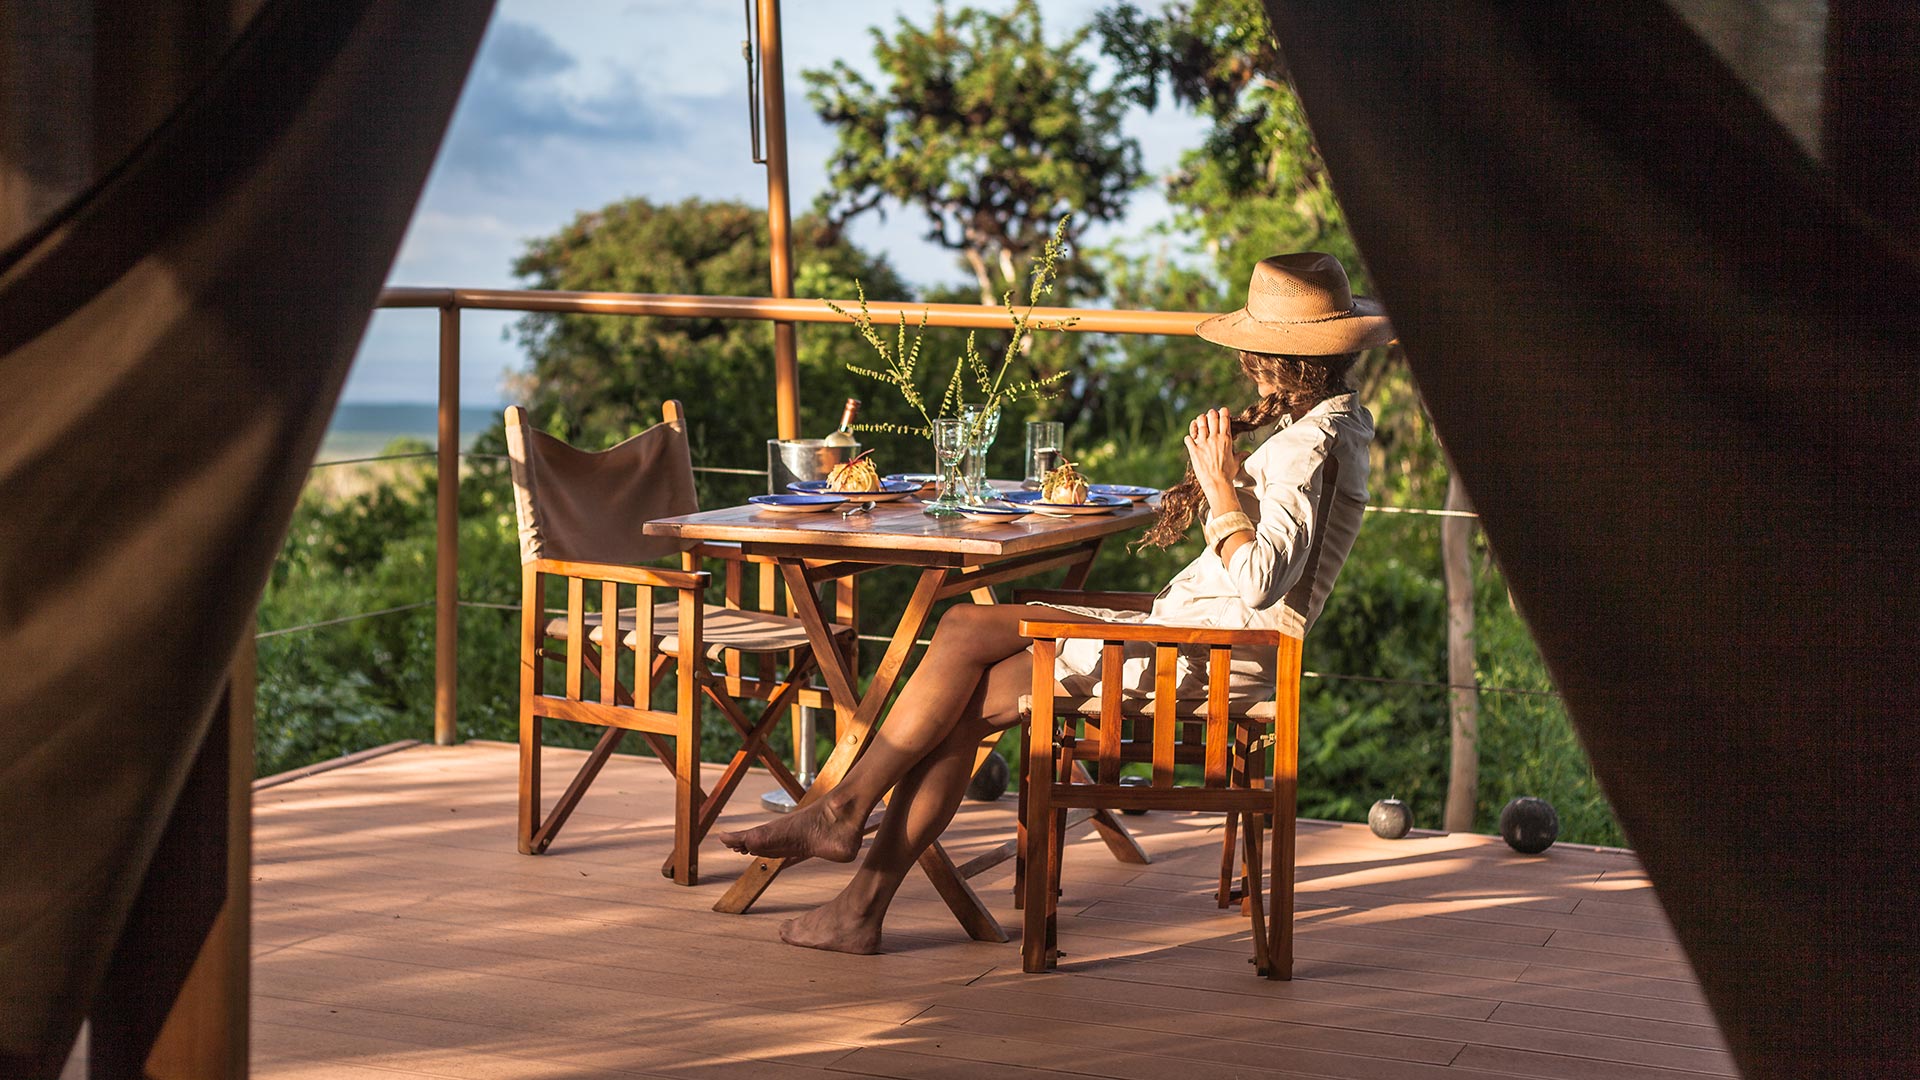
(795, 504)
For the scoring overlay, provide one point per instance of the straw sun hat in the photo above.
(1301, 305)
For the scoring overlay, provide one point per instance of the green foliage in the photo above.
(899, 362)
(597, 379)
(1257, 184)
(1527, 742)
(985, 127)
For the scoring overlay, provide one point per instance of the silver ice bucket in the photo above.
(802, 459)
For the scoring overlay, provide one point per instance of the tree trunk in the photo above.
(980, 274)
(1463, 701)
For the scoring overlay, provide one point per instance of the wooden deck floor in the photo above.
(398, 934)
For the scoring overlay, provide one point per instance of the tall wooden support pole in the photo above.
(446, 563)
(773, 90)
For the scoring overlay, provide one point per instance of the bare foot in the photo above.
(820, 831)
(827, 927)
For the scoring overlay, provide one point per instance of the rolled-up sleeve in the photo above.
(1264, 569)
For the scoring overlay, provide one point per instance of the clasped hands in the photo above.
(1210, 448)
(1215, 464)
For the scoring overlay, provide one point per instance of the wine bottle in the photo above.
(843, 435)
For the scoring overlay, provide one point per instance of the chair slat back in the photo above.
(576, 632)
(643, 660)
(1112, 718)
(610, 639)
(1333, 539)
(1218, 681)
(580, 506)
(1166, 707)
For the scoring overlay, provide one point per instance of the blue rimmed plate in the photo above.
(1095, 504)
(795, 504)
(1129, 492)
(889, 490)
(992, 510)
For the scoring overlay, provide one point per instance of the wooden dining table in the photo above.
(955, 556)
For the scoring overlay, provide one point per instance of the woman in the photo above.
(1297, 337)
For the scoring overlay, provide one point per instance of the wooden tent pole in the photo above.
(773, 89)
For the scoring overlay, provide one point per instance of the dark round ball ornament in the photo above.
(1389, 819)
(1135, 781)
(991, 781)
(1529, 825)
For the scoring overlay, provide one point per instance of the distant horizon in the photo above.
(414, 402)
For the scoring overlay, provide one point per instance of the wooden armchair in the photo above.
(1227, 738)
(581, 516)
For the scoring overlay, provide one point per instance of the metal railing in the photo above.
(450, 302)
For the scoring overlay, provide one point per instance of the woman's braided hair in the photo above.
(1301, 381)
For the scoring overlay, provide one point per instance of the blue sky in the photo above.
(573, 104)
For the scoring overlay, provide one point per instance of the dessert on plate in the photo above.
(856, 475)
(1064, 486)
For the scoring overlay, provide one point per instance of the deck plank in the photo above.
(398, 934)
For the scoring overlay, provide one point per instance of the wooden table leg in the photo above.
(965, 904)
(855, 732)
(1077, 573)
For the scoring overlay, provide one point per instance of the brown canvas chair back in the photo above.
(579, 506)
(1339, 515)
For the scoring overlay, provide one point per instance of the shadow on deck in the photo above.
(398, 934)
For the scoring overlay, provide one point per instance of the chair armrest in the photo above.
(1118, 601)
(625, 575)
(1150, 633)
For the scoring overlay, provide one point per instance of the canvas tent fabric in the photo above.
(1669, 354)
(172, 340)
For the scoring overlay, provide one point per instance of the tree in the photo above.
(1257, 185)
(986, 128)
(1463, 699)
(595, 379)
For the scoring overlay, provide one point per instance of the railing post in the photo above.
(446, 563)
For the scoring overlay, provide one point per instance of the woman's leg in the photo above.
(918, 811)
(968, 642)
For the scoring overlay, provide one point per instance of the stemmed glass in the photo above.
(949, 449)
(981, 426)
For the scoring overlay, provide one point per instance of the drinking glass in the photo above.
(1043, 450)
(949, 450)
(981, 426)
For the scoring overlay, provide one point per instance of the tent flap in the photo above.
(1658, 342)
(172, 342)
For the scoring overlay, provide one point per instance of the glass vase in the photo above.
(981, 426)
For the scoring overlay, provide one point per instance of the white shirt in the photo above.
(1281, 486)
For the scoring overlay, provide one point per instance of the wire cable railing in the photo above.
(279, 631)
(921, 642)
